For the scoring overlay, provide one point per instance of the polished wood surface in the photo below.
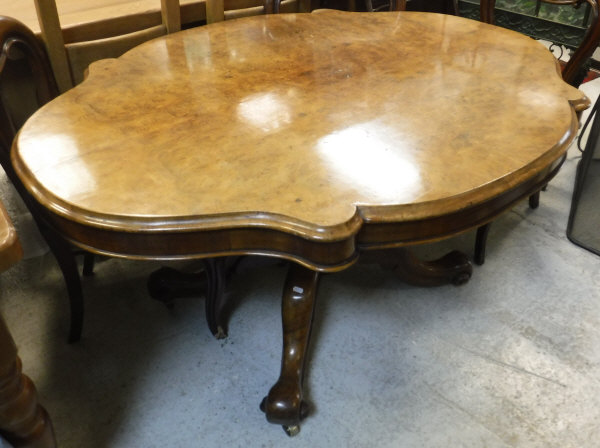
(23, 422)
(223, 127)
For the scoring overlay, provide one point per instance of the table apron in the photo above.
(377, 235)
(318, 255)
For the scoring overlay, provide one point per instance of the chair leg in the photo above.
(480, 243)
(88, 264)
(63, 254)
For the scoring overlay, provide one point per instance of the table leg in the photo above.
(453, 267)
(23, 422)
(167, 284)
(285, 405)
(480, 243)
(215, 296)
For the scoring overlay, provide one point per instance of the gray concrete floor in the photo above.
(511, 359)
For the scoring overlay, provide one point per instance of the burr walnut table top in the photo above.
(330, 128)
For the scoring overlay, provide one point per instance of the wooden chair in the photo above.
(27, 83)
(573, 73)
(219, 10)
(70, 54)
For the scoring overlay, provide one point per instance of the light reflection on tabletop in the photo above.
(368, 157)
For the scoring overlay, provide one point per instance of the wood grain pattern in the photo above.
(370, 121)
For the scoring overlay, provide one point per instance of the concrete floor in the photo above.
(511, 359)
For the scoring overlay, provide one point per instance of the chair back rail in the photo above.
(70, 60)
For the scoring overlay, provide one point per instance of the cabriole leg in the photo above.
(284, 405)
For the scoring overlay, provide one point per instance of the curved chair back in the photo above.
(26, 84)
(219, 10)
(575, 70)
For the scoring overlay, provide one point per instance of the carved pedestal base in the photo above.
(453, 267)
(167, 284)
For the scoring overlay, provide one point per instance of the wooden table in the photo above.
(23, 422)
(316, 138)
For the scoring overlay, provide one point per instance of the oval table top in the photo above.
(310, 124)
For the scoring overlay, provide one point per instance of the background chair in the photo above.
(27, 83)
(23, 421)
(441, 6)
(71, 53)
(219, 10)
(573, 72)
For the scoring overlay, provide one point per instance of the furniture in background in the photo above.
(27, 83)
(219, 10)
(441, 6)
(281, 143)
(23, 422)
(573, 73)
(70, 53)
(539, 19)
(95, 16)
(583, 227)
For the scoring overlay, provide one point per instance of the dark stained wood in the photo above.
(215, 274)
(167, 284)
(453, 267)
(21, 51)
(480, 243)
(285, 403)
